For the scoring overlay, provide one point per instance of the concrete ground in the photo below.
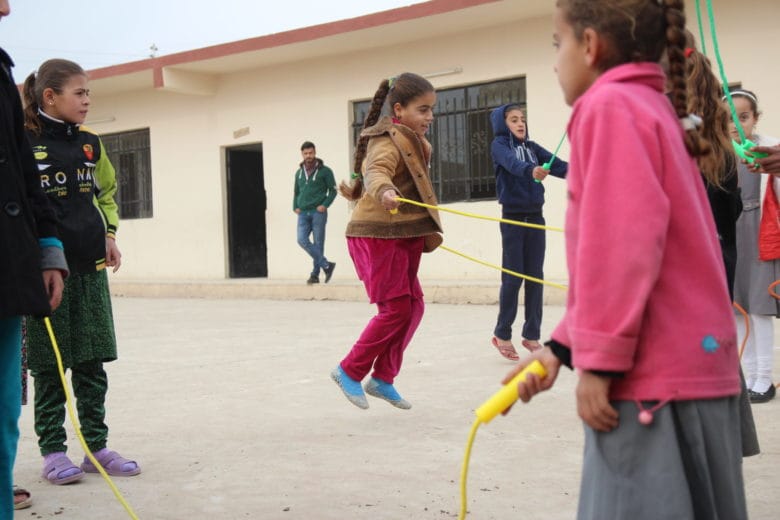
(228, 406)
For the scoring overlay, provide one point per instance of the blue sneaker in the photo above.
(386, 391)
(351, 388)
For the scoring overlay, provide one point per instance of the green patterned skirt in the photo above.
(83, 326)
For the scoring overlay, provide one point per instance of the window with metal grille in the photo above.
(130, 153)
(461, 168)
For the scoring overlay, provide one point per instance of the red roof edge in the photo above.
(399, 14)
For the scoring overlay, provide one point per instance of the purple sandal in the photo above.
(59, 470)
(113, 463)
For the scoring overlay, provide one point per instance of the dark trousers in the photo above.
(523, 252)
(90, 385)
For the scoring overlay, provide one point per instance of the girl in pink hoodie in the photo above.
(648, 323)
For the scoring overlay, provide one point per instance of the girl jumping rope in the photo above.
(648, 322)
(386, 240)
(76, 174)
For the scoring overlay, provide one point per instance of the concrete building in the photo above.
(205, 142)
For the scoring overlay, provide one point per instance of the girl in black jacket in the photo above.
(80, 182)
(32, 263)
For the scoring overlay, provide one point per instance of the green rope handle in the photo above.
(548, 164)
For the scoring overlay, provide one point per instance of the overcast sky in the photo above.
(98, 33)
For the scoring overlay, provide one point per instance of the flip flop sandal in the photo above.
(59, 465)
(532, 345)
(21, 492)
(508, 351)
(113, 463)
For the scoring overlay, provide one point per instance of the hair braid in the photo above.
(354, 190)
(675, 49)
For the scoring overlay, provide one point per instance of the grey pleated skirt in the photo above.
(686, 465)
(753, 276)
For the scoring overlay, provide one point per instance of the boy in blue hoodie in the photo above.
(516, 161)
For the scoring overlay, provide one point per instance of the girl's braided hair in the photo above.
(640, 30)
(401, 89)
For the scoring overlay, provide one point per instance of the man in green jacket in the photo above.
(315, 189)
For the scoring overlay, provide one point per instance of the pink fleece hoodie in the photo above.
(647, 293)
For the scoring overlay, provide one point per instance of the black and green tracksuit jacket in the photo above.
(81, 183)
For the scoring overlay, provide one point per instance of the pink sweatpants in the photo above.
(388, 269)
(384, 340)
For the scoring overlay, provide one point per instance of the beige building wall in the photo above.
(310, 99)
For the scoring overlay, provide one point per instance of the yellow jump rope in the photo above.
(74, 421)
(494, 219)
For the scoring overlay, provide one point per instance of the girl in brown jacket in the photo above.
(385, 239)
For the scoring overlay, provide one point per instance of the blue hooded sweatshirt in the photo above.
(514, 162)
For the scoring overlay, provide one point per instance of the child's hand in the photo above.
(540, 173)
(593, 402)
(389, 201)
(769, 164)
(52, 280)
(533, 384)
(113, 256)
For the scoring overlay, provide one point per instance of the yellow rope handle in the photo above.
(482, 217)
(74, 420)
(530, 278)
(465, 468)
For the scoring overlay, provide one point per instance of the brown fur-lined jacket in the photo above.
(396, 159)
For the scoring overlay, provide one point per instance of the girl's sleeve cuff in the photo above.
(561, 351)
(49, 242)
(53, 257)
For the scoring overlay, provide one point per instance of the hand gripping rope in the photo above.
(507, 395)
(742, 148)
(548, 164)
(745, 145)
(75, 422)
(499, 402)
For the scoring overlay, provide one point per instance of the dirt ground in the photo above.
(229, 409)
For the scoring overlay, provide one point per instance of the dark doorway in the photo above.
(246, 212)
